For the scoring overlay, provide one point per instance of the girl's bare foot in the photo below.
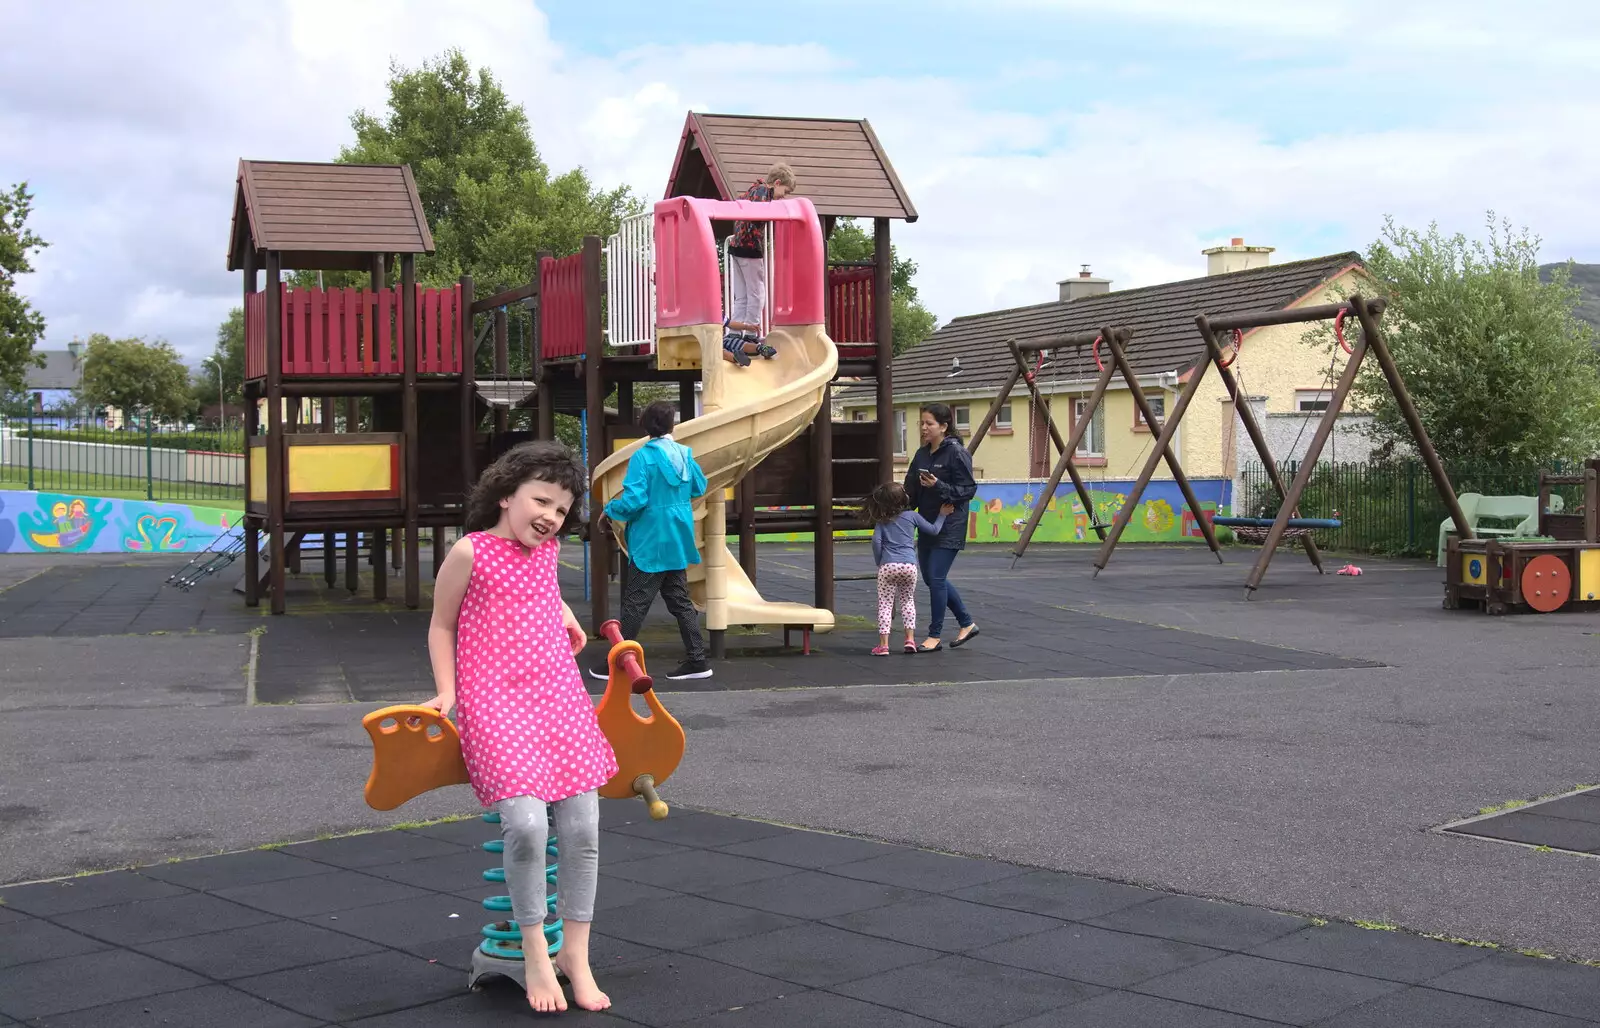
(544, 992)
(585, 992)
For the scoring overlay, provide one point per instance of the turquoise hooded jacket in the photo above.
(656, 504)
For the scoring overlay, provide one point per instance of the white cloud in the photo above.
(130, 135)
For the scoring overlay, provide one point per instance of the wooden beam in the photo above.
(502, 366)
(277, 482)
(469, 402)
(408, 415)
(594, 396)
(822, 496)
(252, 425)
(883, 355)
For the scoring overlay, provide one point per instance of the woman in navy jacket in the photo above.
(940, 473)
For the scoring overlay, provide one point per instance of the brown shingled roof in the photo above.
(1161, 316)
(326, 216)
(838, 163)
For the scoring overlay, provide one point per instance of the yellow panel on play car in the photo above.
(1588, 575)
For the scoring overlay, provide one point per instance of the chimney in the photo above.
(1224, 260)
(1084, 285)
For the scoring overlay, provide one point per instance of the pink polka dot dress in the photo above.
(527, 724)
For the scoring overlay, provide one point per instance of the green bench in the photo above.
(1477, 508)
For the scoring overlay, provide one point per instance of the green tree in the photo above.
(491, 201)
(135, 376)
(228, 354)
(912, 321)
(1499, 367)
(20, 325)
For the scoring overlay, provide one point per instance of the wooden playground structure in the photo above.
(1287, 523)
(372, 411)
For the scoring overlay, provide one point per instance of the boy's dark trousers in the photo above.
(639, 590)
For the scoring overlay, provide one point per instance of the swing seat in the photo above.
(1308, 523)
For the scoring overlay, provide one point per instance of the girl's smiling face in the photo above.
(535, 512)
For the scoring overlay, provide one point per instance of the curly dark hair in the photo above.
(885, 503)
(545, 461)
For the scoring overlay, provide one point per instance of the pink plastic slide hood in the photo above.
(689, 284)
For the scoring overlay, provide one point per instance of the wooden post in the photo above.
(252, 425)
(599, 447)
(547, 394)
(625, 401)
(1242, 406)
(1408, 410)
(747, 525)
(380, 561)
(1162, 450)
(822, 496)
(276, 481)
(438, 549)
(685, 400)
(352, 562)
(502, 366)
(1120, 522)
(994, 409)
(330, 544)
(883, 351)
(408, 415)
(1064, 463)
(1308, 464)
(469, 404)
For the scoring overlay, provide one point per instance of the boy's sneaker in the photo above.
(601, 671)
(733, 346)
(766, 350)
(691, 669)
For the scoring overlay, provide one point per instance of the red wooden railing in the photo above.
(561, 307)
(343, 332)
(851, 322)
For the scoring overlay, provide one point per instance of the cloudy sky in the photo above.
(1033, 135)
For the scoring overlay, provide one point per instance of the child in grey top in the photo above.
(894, 550)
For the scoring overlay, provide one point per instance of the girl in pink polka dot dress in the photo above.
(503, 645)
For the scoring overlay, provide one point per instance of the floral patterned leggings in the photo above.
(897, 585)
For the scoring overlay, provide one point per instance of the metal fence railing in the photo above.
(81, 451)
(1391, 507)
(631, 284)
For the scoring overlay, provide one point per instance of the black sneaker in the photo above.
(601, 671)
(691, 669)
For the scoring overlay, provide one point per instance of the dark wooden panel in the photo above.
(439, 448)
(784, 478)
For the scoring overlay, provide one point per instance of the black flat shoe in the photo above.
(959, 640)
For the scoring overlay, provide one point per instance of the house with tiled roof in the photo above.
(1287, 379)
(965, 363)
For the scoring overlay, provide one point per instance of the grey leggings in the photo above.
(525, 828)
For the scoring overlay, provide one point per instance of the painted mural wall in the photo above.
(32, 522)
(1001, 509)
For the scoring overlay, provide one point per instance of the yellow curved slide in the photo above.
(748, 413)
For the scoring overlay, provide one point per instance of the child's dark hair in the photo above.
(658, 418)
(885, 503)
(545, 461)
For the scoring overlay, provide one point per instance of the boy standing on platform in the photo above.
(747, 255)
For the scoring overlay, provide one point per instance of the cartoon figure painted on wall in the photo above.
(67, 523)
(993, 508)
(1158, 516)
(8, 531)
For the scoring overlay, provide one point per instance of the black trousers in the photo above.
(639, 592)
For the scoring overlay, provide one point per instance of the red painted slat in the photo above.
(293, 330)
(335, 337)
(429, 335)
(351, 355)
(312, 355)
(449, 355)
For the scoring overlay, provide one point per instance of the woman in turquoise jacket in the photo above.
(656, 504)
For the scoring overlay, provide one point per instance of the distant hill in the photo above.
(1587, 278)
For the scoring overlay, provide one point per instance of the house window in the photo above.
(859, 415)
(1158, 407)
(1312, 399)
(963, 419)
(900, 430)
(1093, 443)
(1002, 419)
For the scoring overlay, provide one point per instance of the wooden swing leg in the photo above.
(1253, 430)
(1308, 465)
(1064, 464)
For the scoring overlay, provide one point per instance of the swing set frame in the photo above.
(1366, 313)
(1115, 339)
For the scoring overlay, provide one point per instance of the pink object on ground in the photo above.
(1348, 569)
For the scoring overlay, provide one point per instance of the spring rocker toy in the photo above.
(416, 749)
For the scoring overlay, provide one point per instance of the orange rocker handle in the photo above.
(415, 749)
